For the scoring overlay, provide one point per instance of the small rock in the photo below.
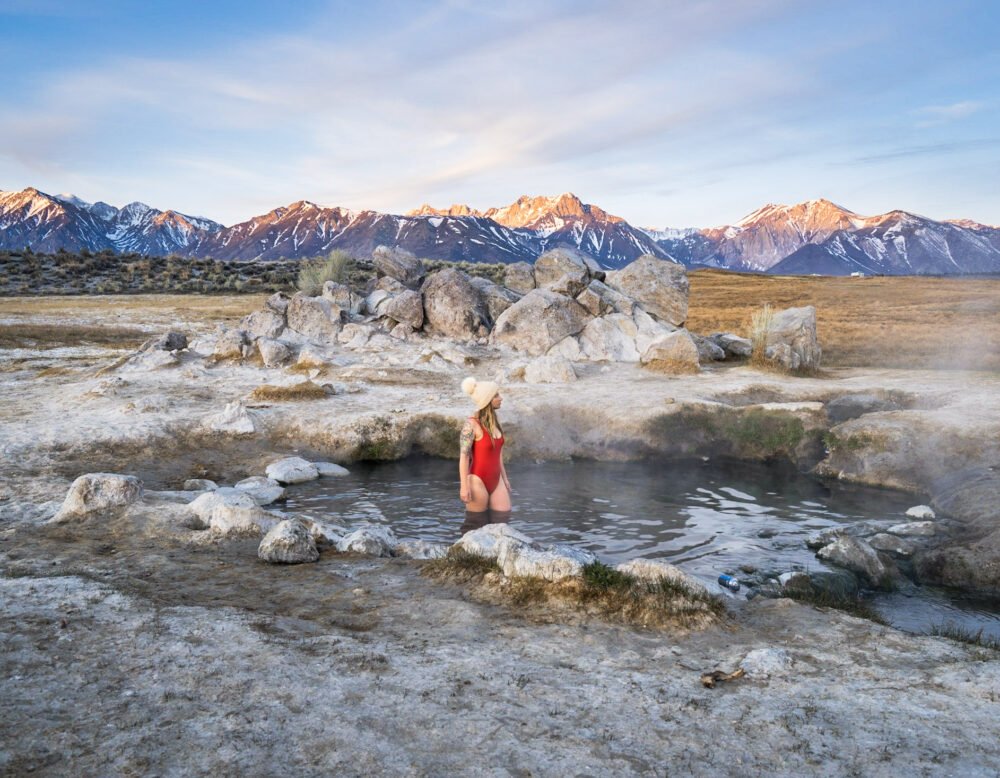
(762, 663)
(921, 512)
(892, 544)
(98, 493)
(371, 539)
(323, 532)
(421, 549)
(273, 353)
(200, 485)
(914, 529)
(289, 542)
(292, 470)
(329, 468)
(553, 563)
(232, 513)
(263, 490)
(483, 541)
(793, 579)
(235, 419)
(824, 538)
(653, 570)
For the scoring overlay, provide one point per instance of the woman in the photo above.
(482, 477)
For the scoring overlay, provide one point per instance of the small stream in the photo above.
(706, 517)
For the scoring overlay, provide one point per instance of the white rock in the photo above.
(200, 485)
(658, 285)
(549, 370)
(673, 351)
(894, 545)
(232, 513)
(611, 338)
(553, 563)
(421, 549)
(315, 317)
(855, 555)
(355, 336)
(96, 493)
(370, 539)
(288, 542)
(235, 420)
(914, 529)
(292, 470)
(922, 512)
(793, 578)
(272, 352)
(483, 541)
(762, 663)
(263, 490)
(329, 468)
(311, 356)
(323, 532)
(791, 338)
(266, 323)
(652, 570)
(153, 359)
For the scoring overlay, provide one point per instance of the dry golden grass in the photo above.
(135, 308)
(49, 335)
(306, 390)
(899, 322)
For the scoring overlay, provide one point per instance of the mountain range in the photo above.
(817, 236)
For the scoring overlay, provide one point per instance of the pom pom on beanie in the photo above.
(481, 392)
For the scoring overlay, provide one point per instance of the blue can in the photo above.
(729, 582)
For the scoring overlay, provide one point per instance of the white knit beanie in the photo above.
(481, 392)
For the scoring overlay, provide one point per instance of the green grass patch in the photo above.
(967, 635)
(852, 604)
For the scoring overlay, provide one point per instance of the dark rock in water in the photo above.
(837, 583)
(851, 406)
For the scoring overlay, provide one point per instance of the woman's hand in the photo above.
(464, 494)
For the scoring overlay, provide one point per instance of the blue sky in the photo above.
(688, 113)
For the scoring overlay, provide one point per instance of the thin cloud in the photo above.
(933, 149)
(942, 114)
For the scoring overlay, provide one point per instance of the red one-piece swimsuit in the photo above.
(486, 460)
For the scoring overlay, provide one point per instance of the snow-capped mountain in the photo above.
(817, 236)
(550, 222)
(47, 223)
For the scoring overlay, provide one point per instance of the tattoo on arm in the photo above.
(466, 439)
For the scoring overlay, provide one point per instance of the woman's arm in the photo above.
(503, 473)
(466, 439)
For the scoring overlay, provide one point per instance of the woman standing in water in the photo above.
(483, 480)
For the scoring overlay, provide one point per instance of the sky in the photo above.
(667, 113)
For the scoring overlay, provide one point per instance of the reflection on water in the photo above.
(706, 517)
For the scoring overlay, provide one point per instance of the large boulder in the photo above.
(519, 277)
(314, 317)
(292, 470)
(791, 339)
(538, 321)
(553, 265)
(601, 299)
(406, 307)
(674, 352)
(263, 324)
(230, 344)
(497, 298)
(658, 285)
(289, 542)
(609, 339)
(272, 352)
(733, 345)
(98, 493)
(342, 296)
(278, 302)
(453, 306)
(399, 264)
(550, 369)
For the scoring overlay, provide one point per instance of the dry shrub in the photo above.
(307, 390)
(316, 272)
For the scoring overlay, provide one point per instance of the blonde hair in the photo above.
(488, 420)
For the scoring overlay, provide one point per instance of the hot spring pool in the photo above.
(706, 517)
